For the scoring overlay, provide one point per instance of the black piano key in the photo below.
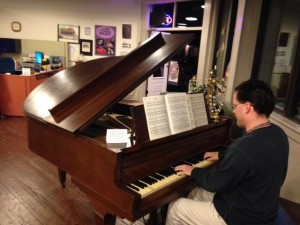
(139, 184)
(161, 174)
(157, 176)
(198, 157)
(153, 179)
(133, 187)
(148, 180)
(167, 172)
(181, 163)
(177, 164)
(192, 160)
(187, 163)
(164, 173)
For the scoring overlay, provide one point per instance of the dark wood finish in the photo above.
(78, 95)
(103, 174)
(62, 110)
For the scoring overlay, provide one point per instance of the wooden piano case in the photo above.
(63, 115)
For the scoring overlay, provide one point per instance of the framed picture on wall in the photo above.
(86, 47)
(68, 33)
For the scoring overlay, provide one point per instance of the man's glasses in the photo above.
(233, 106)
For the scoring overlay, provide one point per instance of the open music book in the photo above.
(174, 113)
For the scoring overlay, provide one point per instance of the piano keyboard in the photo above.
(161, 179)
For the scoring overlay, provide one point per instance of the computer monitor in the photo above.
(55, 59)
(39, 57)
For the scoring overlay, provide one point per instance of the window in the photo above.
(184, 17)
(278, 59)
(224, 36)
(188, 14)
(162, 15)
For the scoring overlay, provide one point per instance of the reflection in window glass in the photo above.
(189, 14)
(297, 100)
(277, 65)
(162, 15)
(285, 54)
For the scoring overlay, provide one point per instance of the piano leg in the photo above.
(153, 218)
(62, 175)
(105, 220)
(158, 217)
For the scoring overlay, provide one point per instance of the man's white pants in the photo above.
(197, 209)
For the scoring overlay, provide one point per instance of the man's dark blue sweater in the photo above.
(248, 178)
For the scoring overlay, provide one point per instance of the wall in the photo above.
(290, 189)
(39, 19)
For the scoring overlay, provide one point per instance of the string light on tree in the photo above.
(215, 95)
(214, 91)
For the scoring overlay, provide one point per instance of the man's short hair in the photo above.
(258, 93)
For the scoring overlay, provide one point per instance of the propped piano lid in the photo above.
(74, 97)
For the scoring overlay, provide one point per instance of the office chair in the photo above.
(7, 65)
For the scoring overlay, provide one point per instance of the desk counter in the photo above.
(15, 88)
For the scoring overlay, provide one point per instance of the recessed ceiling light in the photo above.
(202, 6)
(181, 24)
(191, 18)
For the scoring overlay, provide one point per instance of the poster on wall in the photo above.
(173, 72)
(105, 40)
(68, 33)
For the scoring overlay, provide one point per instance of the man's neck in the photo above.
(256, 122)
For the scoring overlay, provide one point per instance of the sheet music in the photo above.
(174, 113)
(157, 117)
(178, 113)
(198, 109)
(193, 124)
(117, 138)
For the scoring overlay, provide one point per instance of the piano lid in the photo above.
(76, 96)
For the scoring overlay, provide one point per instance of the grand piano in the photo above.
(66, 127)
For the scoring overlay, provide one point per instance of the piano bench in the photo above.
(283, 217)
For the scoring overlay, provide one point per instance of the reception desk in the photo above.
(15, 88)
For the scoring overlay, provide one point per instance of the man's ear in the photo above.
(248, 108)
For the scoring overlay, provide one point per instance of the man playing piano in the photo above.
(243, 188)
